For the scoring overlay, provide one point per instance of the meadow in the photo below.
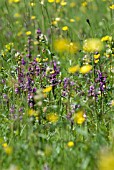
(56, 85)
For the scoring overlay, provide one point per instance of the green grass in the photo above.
(35, 126)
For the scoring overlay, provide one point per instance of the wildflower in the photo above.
(7, 149)
(106, 161)
(97, 56)
(47, 89)
(57, 19)
(112, 103)
(102, 81)
(79, 117)
(32, 112)
(19, 33)
(38, 59)
(96, 61)
(16, 1)
(60, 45)
(65, 28)
(28, 33)
(57, 1)
(112, 6)
(92, 45)
(52, 117)
(106, 38)
(73, 69)
(17, 15)
(54, 22)
(63, 3)
(32, 4)
(9, 46)
(91, 91)
(70, 144)
(51, 1)
(35, 42)
(72, 47)
(72, 4)
(85, 69)
(72, 20)
(4, 145)
(45, 59)
(84, 4)
(33, 17)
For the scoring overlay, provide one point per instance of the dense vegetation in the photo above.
(56, 85)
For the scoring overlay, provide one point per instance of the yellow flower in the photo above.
(19, 33)
(32, 4)
(64, 45)
(112, 103)
(70, 144)
(65, 28)
(72, 4)
(84, 4)
(54, 22)
(73, 69)
(28, 33)
(92, 45)
(96, 56)
(51, 1)
(79, 117)
(60, 45)
(47, 89)
(32, 112)
(17, 15)
(16, 1)
(38, 59)
(4, 145)
(52, 117)
(96, 61)
(33, 17)
(106, 38)
(112, 6)
(46, 59)
(85, 69)
(9, 46)
(106, 161)
(72, 47)
(7, 149)
(35, 42)
(63, 3)
(72, 20)
(57, 1)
